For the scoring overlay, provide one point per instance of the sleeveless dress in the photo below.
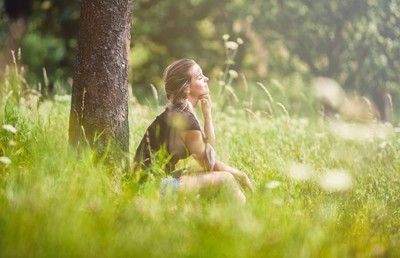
(163, 136)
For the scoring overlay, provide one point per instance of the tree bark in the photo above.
(99, 104)
(382, 100)
(17, 30)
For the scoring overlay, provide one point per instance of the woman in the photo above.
(176, 134)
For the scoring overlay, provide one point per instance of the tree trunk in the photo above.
(17, 12)
(17, 30)
(99, 105)
(382, 100)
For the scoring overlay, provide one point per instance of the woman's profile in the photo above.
(177, 134)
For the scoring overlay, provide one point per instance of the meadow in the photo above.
(323, 188)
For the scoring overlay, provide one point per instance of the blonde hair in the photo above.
(177, 78)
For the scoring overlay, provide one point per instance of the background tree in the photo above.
(349, 41)
(99, 105)
(17, 12)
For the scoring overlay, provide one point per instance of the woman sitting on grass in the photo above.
(176, 134)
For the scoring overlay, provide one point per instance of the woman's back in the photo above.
(164, 136)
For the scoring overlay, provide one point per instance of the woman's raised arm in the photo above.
(205, 101)
(193, 140)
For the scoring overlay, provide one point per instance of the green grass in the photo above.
(56, 204)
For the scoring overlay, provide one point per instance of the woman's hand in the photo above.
(245, 181)
(205, 101)
(240, 176)
(208, 123)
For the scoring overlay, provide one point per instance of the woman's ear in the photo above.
(187, 90)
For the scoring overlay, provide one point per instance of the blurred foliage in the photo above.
(50, 39)
(350, 41)
(353, 42)
(167, 30)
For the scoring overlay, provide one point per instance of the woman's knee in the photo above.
(228, 181)
(224, 177)
(208, 181)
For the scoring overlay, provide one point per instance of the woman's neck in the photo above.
(193, 101)
(186, 104)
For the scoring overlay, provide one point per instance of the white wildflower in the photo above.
(273, 184)
(336, 181)
(329, 91)
(5, 160)
(382, 145)
(239, 41)
(277, 202)
(231, 45)
(301, 172)
(384, 130)
(9, 128)
(361, 132)
(233, 74)
(298, 213)
(62, 98)
(225, 37)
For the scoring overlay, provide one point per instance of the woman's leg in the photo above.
(209, 182)
(240, 176)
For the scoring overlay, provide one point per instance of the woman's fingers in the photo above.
(245, 181)
(205, 104)
(250, 185)
(206, 97)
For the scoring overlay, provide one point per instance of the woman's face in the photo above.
(198, 84)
